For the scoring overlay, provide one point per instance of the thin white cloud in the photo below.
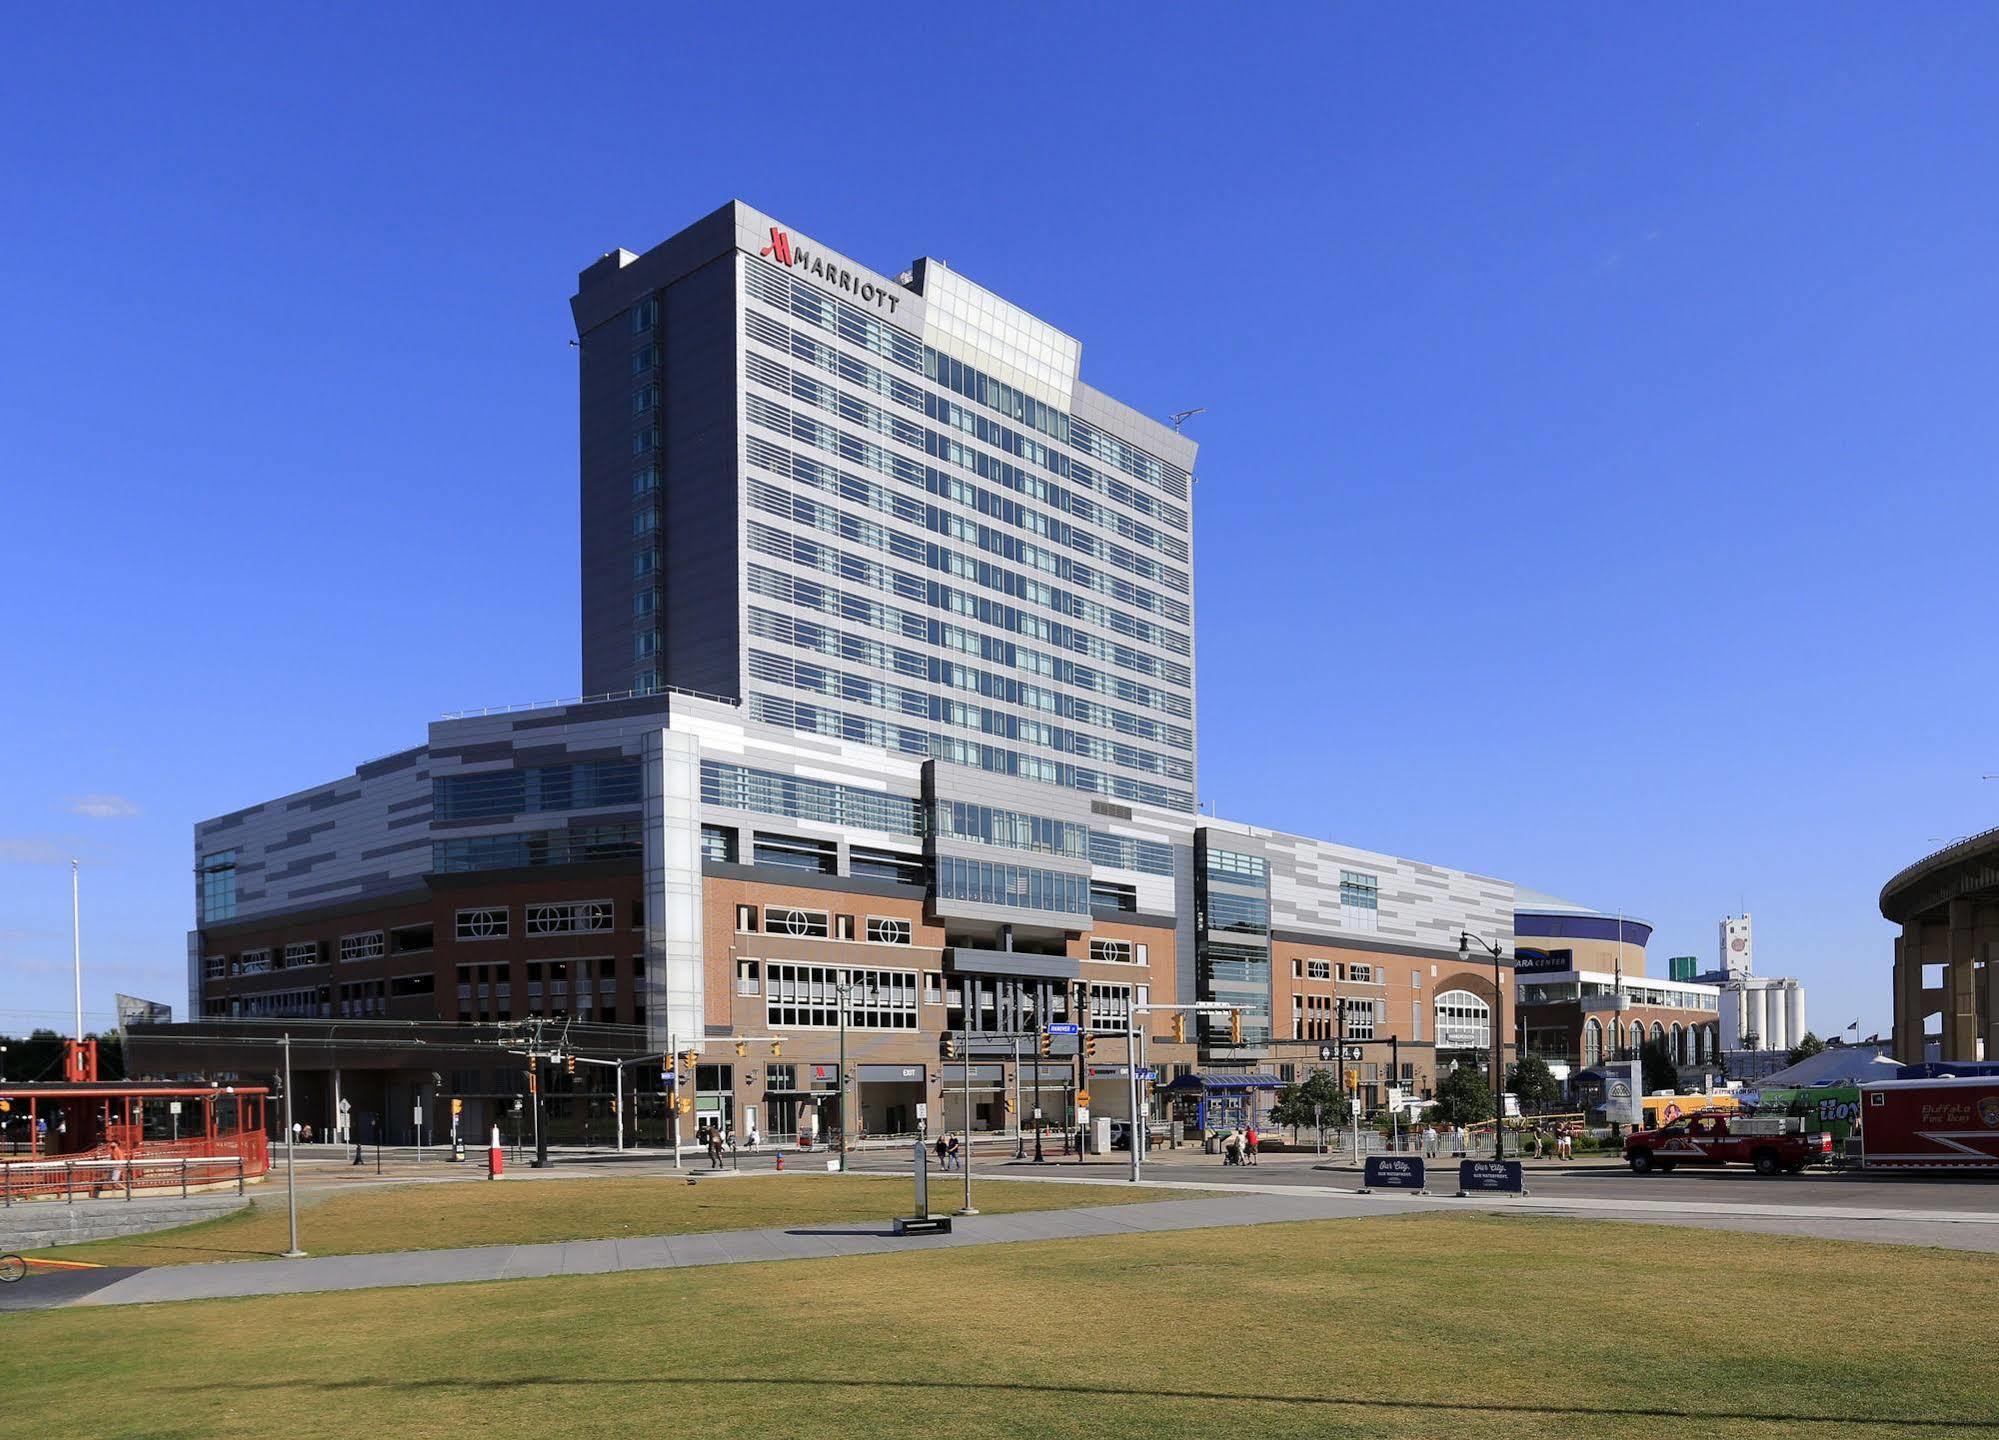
(104, 807)
(29, 851)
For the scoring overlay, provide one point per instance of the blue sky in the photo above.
(1597, 482)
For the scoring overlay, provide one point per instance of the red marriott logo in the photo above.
(779, 248)
(835, 276)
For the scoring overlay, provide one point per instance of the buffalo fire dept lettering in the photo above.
(796, 257)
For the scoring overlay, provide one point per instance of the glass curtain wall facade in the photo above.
(1232, 936)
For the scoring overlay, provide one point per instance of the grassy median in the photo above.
(530, 1212)
(1420, 1326)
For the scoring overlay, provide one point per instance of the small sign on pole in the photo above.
(173, 1107)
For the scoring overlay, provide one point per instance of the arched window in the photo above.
(1592, 1042)
(1658, 1033)
(1680, 1056)
(1637, 1037)
(1464, 1022)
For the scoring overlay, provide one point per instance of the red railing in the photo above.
(88, 1179)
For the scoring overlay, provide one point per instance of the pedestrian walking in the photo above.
(1537, 1142)
(756, 1138)
(956, 1159)
(1564, 1142)
(1232, 1147)
(715, 1148)
(943, 1153)
(1249, 1141)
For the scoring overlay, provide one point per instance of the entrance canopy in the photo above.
(1221, 1080)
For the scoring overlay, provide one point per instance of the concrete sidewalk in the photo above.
(1243, 1205)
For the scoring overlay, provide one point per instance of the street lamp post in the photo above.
(844, 988)
(1493, 1032)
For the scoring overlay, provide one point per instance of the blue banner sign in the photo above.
(1503, 1176)
(1393, 1172)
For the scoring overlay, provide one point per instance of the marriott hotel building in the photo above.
(888, 669)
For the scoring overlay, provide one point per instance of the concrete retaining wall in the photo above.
(38, 1224)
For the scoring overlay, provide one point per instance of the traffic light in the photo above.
(689, 1058)
(1090, 1046)
(742, 1048)
(687, 1104)
(1353, 1079)
(1179, 1027)
(457, 1107)
(777, 1049)
(1047, 1044)
(1235, 1027)
(950, 1046)
(569, 1064)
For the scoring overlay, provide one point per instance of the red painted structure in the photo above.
(117, 1121)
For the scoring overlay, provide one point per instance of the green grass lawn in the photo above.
(1407, 1328)
(528, 1212)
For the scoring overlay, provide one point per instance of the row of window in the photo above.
(819, 924)
(1065, 534)
(942, 671)
(1234, 865)
(1354, 970)
(812, 594)
(1007, 579)
(533, 789)
(864, 689)
(775, 287)
(767, 792)
(810, 997)
(1015, 886)
(909, 740)
(574, 845)
(1236, 914)
(990, 825)
(555, 917)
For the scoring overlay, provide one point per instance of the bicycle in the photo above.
(12, 1268)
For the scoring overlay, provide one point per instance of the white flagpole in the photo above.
(76, 947)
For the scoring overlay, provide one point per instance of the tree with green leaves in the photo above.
(1806, 1048)
(1660, 1073)
(1535, 1084)
(1464, 1097)
(1317, 1100)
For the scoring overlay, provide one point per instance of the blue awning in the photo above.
(1185, 1084)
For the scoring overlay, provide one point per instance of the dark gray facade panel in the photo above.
(476, 753)
(390, 764)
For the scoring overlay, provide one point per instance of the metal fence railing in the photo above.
(71, 1180)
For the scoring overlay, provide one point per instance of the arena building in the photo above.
(1946, 969)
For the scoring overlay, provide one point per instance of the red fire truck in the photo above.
(1773, 1144)
(1945, 1124)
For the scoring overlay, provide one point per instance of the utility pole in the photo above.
(291, 1170)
